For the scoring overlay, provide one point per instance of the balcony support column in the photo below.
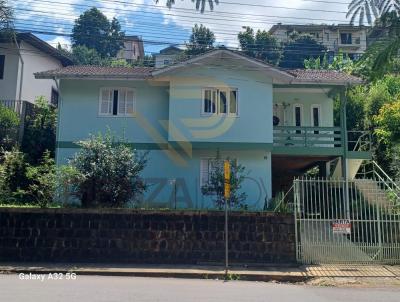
(345, 171)
(343, 126)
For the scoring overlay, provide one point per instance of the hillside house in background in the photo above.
(20, 58)
(133, 49)
(167, 56)
(345, 38)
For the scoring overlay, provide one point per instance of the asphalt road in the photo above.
(121, 289)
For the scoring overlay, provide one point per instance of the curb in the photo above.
(267, 277)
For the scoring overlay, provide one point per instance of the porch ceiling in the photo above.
(282, 165)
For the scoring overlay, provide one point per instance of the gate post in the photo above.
(296, 211)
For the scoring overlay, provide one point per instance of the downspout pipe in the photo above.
(21, 78)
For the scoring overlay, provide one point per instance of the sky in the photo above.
(160, 26)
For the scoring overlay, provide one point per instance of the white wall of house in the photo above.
(164, 60)
(36, 61)
(286, 99)
(8, 85)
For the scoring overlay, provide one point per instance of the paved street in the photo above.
(96, 288)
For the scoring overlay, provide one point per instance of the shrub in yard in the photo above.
(15, 181)
(42, 180)
(105, 172)
(40, 131)
(216, 184)
(9, 122)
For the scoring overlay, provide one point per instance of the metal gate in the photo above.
(340, 221)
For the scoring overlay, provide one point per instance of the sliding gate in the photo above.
(340, 221)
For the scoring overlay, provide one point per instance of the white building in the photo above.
(167, 56)
(345, 38)
(133, 49)
(20, 58)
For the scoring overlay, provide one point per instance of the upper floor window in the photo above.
(2, 61)
(220, 101)
(345, 38)
(117, 102)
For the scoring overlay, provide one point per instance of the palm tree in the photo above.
(362, 9)
(383, 55)
(200, 4)
(388, 5)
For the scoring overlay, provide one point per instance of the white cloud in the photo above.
(65, 43)
(227, 20)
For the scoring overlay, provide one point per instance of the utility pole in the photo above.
(227, 193)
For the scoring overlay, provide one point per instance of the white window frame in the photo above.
(318, 106)
(217, 109)
(118, 115)
(208, 162)
(301, 115)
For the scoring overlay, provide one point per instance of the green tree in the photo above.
(362, 9)
(200, 4)
(215, 187)
(93, 30)
(341, 62)
(81, 55)
(382, 56)
(201, 40)
(40, 131)
(300, 48)
(6, 15)
(106, 172)
(261, 45)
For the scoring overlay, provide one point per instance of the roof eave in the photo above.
(90, 77)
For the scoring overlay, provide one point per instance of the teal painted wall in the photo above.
(165, 165)
(252, 125)
(79, 109)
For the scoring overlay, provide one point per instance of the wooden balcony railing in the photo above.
(290, 136)
(320, 137)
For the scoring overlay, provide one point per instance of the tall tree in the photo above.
(362, 9)
(6, 14)
(299, 49)
(383, 55)
(93, 30)
(201, 40)
(261, 45)
(200, 4)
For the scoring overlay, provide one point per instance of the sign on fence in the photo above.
(341, 226)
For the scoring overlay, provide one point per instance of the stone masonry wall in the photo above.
(75, 235)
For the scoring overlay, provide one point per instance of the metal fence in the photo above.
(340, 221)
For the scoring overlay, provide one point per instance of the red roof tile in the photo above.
(97, 71)
(326, 76)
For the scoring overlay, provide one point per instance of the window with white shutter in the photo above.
(117, 102)
(220, 101)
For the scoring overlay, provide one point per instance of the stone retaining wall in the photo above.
(75, 235)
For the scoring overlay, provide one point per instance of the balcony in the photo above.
(324, 141)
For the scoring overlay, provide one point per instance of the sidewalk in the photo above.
(280, 274)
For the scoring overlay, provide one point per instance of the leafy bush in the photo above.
(42, 178)
(9, 122)
(105, 173)
(14, 179)
(216, 184)
(40, 131)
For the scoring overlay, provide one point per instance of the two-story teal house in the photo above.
(277, 123)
